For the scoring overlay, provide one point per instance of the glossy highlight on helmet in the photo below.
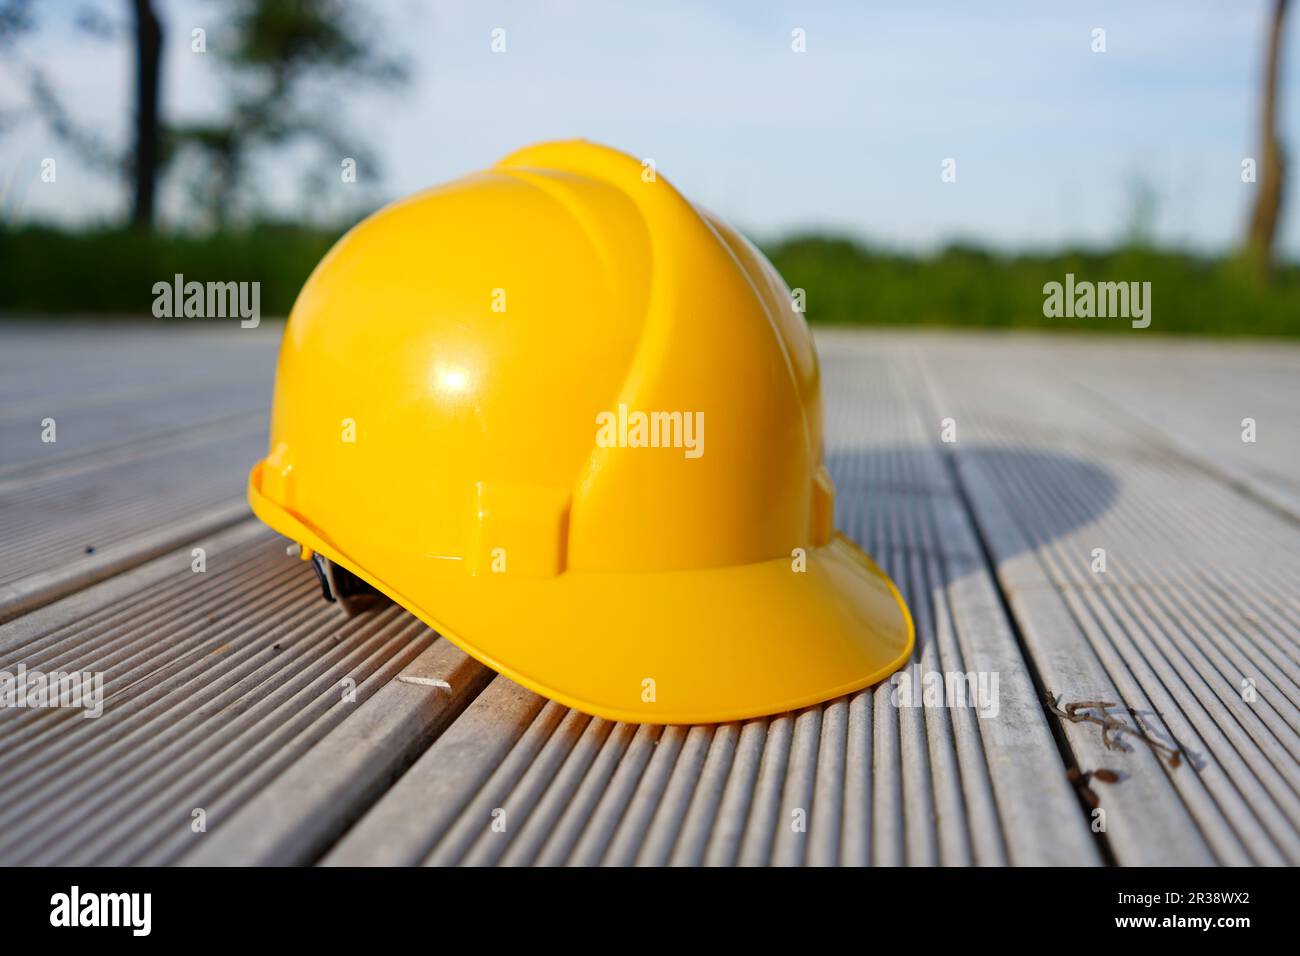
(574, 424)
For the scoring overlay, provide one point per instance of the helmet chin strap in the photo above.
(340, 586)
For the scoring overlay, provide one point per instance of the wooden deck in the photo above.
(227, 736)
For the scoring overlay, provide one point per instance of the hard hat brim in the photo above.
(664, 647)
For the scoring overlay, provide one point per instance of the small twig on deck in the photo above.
(1112, 728)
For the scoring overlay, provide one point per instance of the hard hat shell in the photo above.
(574, 424)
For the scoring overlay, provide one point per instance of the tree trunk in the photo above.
(145, 157)
(1272, 173)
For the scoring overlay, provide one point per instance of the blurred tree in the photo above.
(288, 63)
(277, 56)
(146, 155)
(1272, 162)
(142, 161)
(15, 19)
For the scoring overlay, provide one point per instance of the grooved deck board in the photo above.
(214, 683)
(301, 736)
(1161, 630)
(786, 797)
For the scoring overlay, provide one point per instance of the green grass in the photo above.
(112, 272)
(966, 287)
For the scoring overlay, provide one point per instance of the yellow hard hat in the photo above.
(574, 424)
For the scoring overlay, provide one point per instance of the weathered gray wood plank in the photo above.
(295, 818)
(224, 687)
(856, 780)
(155, 429)
(214, 683)
(1203, 570)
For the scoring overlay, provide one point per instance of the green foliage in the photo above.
(277, 56)
(968, 287)
(112, 271)
(291, 37)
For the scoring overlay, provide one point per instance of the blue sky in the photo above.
(1050, 138)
